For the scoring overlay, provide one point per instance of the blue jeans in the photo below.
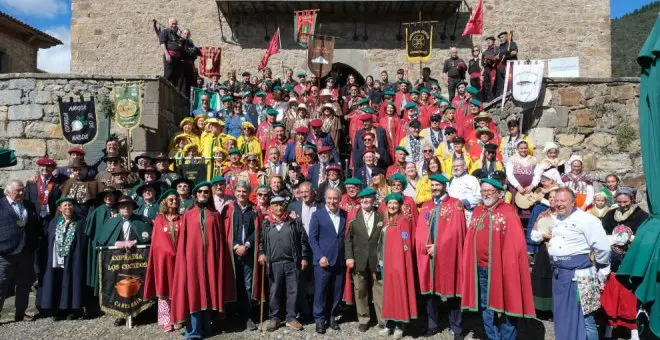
(590, 327)
(507, 325)
(198, 325)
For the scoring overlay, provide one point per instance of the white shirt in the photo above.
(306, 215)
(335, 218)
(466, 189)
(126, 229)
(19, 208)
(577, 234)
(368, 220)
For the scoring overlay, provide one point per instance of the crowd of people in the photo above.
(307, 199)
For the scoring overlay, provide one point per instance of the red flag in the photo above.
(476, 23)
(273, 48)
(209, 63)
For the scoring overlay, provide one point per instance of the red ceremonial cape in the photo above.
(461, 107)
(398, 276)
(475, 150)
(423, 260)
(510, 284)
(454, 124)
(160, 270)
(203, 278)
(394, 134)
(398, 99)
(446, 271)
(351, 206)
(395, 169)
(229, 231)
(409, 210)
(264, 134)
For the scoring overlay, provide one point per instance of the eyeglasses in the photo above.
(262, 195)
(428, 151)
(368, 139)
(203, 191)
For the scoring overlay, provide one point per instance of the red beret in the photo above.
(303, 130)
(367, 150)
(366, 116)
(373, 136)
(77, 150)
(333, 167)
(316, 123)
(45, 161)
(325, 148)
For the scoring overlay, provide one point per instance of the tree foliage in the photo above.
(629, 33)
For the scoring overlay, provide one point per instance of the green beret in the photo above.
(353, 181)
(366, 192)
(167, 193)
(288, 86)
(401, 148)
(472, 90)
(424, 90)
(276, 125)
(439, 178)
(65, 199)
(226, 99)
(394, 196)
(494, 183)
(461, 83)
(363, 101)
(235, 151)
(416, 91)
(200, 185)
(311, 146)
(277, 88)
(223, 87)
(389, 93)
(444, 100)
(475, 102)
(272, 112)
(301, 74)
(263, 186)
(410, 105)
(246, 93)
(260, 94)
(218, 179)
(399, 177)
(367, 110)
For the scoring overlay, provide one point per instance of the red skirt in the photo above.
(619, 304)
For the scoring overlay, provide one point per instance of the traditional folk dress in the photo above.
(160, 270)
(542, 268)
(351, 206)
(203, 278)
(619, 303)
(94, 224)
(393, 132)
(581, 186)
(520, 172)
(396, 266)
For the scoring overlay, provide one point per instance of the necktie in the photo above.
(322, 177)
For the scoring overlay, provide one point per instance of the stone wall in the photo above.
(30, 124)
(18, 56)
(112, 37)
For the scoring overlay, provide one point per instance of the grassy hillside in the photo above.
(628, 35)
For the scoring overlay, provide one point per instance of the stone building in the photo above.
(117, 37)
(19, 44)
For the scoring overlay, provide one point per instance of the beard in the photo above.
(490, 201)
(457, 173)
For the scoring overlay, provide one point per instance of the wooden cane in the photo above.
(263, 278)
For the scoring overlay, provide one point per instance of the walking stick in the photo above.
(261, 313)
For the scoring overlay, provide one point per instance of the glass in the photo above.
(262, 195)
(368, 140)
(203, 191)
(428, 151)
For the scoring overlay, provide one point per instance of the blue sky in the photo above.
(54, 17)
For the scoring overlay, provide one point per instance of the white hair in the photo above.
(336, 190)
(10, 185)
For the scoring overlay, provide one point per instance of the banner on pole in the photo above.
(272, 49)
(78, 120)
(320, 52)
(121, 280)
(209, 63)
(304, 25)
(419, 41)
(128, 105)
(527, 80)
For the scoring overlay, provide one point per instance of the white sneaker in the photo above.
(398, 334)
(384, 332)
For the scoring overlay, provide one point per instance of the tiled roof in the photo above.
(38, 37)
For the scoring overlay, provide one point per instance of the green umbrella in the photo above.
(641, 266)
(7, 158)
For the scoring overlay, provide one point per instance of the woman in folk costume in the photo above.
(252, 174)
(609, 189)
(475, 146)
(160, 270)
(551, 160)
(549, 181)
(600, 207)
(188, 128)
(219, 162)
(395, 262)
(394, 130)
(449, 119)
(247, 142)
(543, 215)
(332, 124)
(200, 125)
(177, 152)
(61, 289)
(577, 180)
(290, 116)
(302, 119)
(520, 172)
(424, 185)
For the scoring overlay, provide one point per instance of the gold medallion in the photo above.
(20, 223)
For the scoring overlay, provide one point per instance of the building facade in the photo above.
(117, 37)
(19, 44)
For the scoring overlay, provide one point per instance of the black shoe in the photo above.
(120, 322)
(363, 327)
(72, 316)
(250, 326)
(320, 329)
(334, 325)
(431, 332)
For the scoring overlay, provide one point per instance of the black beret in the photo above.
(450, 129)
(512, 123)
(459, 140)
(377, 171)
(436, 118)
(503, 33)
(415, 124)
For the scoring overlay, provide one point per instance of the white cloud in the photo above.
(56, 59)
(37, 8)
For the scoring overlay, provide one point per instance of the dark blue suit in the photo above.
(363, 175)
(382, 149)
(326, 140)
(328, 243)
(314, 173)
(289, 153)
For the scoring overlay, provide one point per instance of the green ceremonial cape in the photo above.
(95, 222)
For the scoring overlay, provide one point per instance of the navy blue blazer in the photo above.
(289, 153)
(382, 149)
(15, 239)
(32, 195)
(252, 115)
(313, 175)
(323, 238)
(326, 140)
(362, 174)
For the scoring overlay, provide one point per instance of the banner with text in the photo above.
(128, 105)
(121, 280)
(304, 23)
(320, 52)
(419, 41)
(78, 120)
(209, 63)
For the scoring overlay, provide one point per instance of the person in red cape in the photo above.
(233, 171)
(495, 273)
(398, 184)
(393, 128)
(242, 224)
(361, 252)
(203, 278)
(399, 166)
(396, 266)
(402, 97)
(449, 120)
(461, 102)
(160, 269)
(388, 97)
(279, 139)
(476, 146)
(351, 204)
(438, 246)
(265, 128)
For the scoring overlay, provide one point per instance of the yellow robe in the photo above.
(252, 146)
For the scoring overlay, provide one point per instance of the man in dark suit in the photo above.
(326, 238)
(333, 180)
(369, 170)
(362, 257)
(370, 136)
(19, 235)
(318, 172)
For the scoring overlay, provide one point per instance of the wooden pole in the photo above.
(128, 148)
(261, 313)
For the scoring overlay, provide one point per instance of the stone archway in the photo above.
(340, 72)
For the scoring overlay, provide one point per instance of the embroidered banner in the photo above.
(78, 120)
(320, 53)
(128, 105)
(527, 80)
(304, 23)
(121, 280)
(196, 102)
(209, 63)
(419, 40)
